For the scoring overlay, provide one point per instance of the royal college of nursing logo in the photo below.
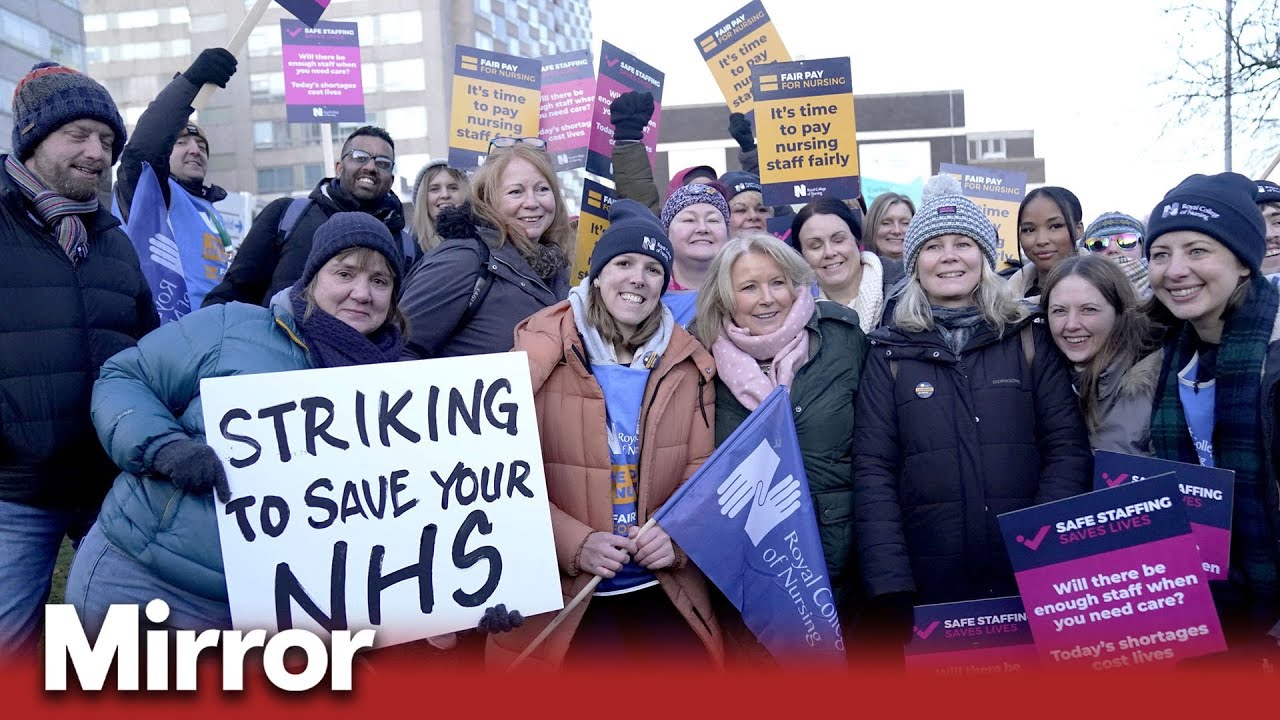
(1169, 210)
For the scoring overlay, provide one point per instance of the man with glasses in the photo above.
(274, 252)
(178, 151)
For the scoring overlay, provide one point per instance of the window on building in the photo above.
(400, 28)
(137, 19)
(209, 23)
(266, 86)
(404, 75)
(483, 41)
(264, 41)
(95, 23)
(24, 33)
(264, 134)
(312, 173)
(66, 51)
(406, 122)
(275, 179)
(369, 77)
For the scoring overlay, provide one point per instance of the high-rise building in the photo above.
(407, 47)
(31, 32)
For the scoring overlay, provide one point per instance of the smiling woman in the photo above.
(965, 412)
(502, 257)
(615, 449)
(757, 314)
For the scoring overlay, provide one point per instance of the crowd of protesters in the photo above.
(933, 391)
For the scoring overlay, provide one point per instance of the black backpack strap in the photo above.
(481, 289)
(289, 220)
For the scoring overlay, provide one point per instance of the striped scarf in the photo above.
(1237, 437)
(60, 213)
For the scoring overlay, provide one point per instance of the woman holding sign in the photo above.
(757, 314)
(1215, 402)
(504, 257)
(157, 534)
(625, 416)
(965, 412)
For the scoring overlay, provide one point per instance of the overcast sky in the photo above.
(1081, 75)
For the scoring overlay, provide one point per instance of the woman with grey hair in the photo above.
(757, 314)
(965, 412)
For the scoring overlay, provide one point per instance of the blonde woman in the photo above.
(965, 412)
(504, 256)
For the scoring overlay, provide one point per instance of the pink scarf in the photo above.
(738, 354)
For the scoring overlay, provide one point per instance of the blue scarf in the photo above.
(333, 343)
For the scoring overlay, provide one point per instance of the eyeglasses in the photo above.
(505, 141)
(362, 158)
(1124, 241)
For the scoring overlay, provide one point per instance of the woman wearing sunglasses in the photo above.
(503, 257)
(1118, 237)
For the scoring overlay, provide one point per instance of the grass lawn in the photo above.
(60, 572)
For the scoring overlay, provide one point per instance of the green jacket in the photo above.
(823, 395)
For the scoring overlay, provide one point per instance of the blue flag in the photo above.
(746, 520)
(152, 238)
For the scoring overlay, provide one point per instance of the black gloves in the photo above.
(740, 130)
(497, 620)
(629, 113)
(213, 65)
(194, 467)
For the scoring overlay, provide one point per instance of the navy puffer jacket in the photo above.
(944, 444)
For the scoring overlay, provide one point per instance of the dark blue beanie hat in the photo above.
(1221, 206)
(51, 96)
(1267, 192)
(346, 230)
(632, 229)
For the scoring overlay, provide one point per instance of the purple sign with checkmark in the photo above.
(1207, 494)
(1113, 579)
(621, 72)
(322, 80)
(971, 638)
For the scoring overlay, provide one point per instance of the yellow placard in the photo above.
(494, 95)
(734, 45)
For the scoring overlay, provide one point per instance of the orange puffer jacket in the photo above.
(677, 421)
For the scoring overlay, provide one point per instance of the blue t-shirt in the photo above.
(623, 393)
(1197, 390)
(683, 305)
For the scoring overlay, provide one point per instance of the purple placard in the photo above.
(971, 638)
(321, 72)
(568, 102)
(1112, 579)
(1207, 494)
(308, 11)
(621, 72)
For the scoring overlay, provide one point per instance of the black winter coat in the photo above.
(438, 290)
(152, 142)
(268, 262)
(949, 444)
(59, 324)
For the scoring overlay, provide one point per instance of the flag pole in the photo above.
(237, 44)
(559, 618)
(1267, 173)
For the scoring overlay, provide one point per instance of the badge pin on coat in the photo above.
(924, 390)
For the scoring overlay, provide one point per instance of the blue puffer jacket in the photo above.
(148, 396)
